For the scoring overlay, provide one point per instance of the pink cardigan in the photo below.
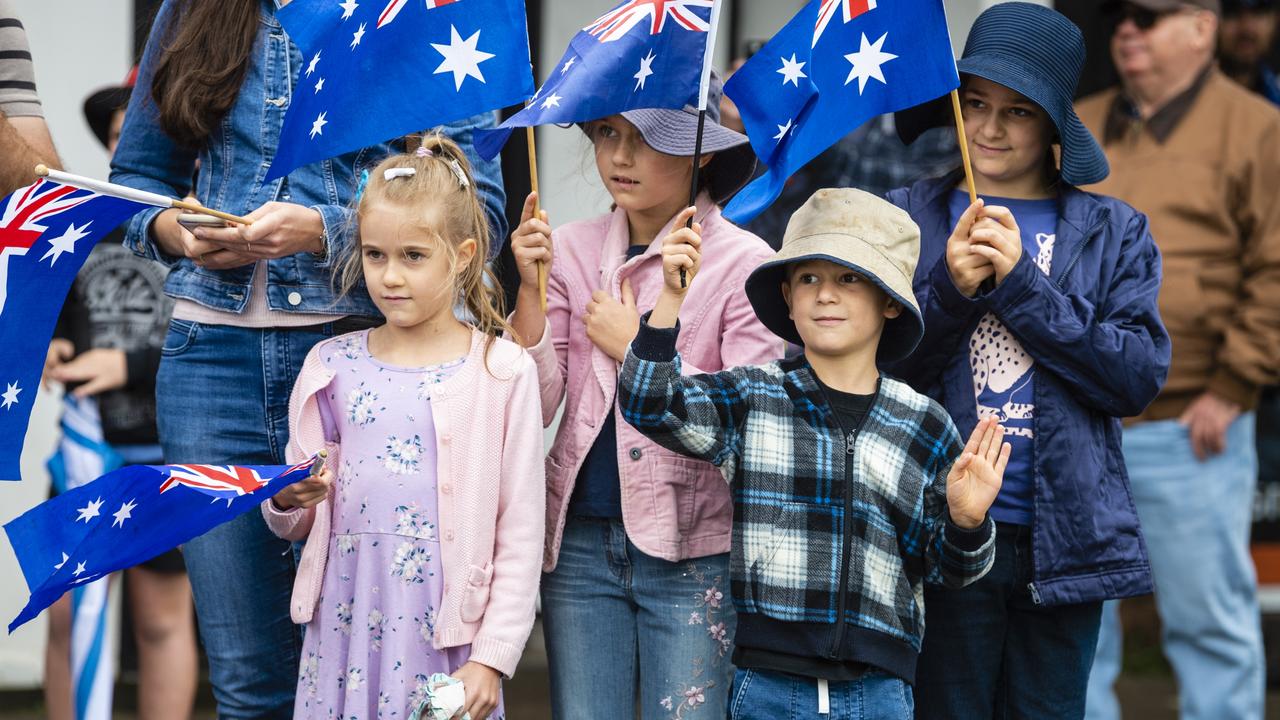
(673, 507)
(490, 494)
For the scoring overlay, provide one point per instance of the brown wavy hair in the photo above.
(204, 56)
(444, 207)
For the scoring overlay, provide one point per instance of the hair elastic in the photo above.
(424, 151)
(364, 182)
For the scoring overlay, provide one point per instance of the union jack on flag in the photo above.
(393, 8)
(129, 516)
(629, 58)
(830, 8)
(618, 22)
(46, 232)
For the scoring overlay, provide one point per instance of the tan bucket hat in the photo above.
(862, 232)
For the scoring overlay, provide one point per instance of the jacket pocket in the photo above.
(675, 483)
(477, 597)
(778, 560)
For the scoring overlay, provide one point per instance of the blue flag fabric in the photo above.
(46, 232)
(129, 516)
(374, 71)
(640, 54)
(835, 65)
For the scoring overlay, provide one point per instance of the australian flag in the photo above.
(46, 232)
(837, 64)
(375, 70)
(129, 516)
(640, 54)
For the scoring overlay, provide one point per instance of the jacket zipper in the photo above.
(850, 443)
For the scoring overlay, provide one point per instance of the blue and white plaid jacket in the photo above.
(811, 515)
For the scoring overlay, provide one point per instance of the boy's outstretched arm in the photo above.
(961, 547)
(697, 415)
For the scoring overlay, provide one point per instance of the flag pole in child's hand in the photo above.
(127, 193)
(964, 146)
(704, 89)
(537, 212)
(317, 465)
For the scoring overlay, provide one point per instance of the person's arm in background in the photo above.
(24, 137)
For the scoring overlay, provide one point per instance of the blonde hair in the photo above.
(441, 193)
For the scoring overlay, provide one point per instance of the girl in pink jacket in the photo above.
(636, 566)
(424, 530)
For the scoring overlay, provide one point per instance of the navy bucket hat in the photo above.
(1038, 53)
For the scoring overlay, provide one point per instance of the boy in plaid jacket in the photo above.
(850, 489)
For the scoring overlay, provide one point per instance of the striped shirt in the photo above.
(17, 77)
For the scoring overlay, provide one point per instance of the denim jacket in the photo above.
(233, 162)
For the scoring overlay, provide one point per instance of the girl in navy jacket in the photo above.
(1039, 304)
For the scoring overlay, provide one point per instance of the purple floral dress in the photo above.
(367, 653)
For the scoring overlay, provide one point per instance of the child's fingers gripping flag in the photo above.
(129, 516)
(46, 232)
(640, 54)
(381, 69)
(835, 65)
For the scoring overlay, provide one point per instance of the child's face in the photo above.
(407, 269)
(836, 311)
(639, 178)
(1009, 136)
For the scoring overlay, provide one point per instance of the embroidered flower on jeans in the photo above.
(695, 618)
(694, 696)
(666, 702)
(712, 597)
(408, 562)
(403, 455)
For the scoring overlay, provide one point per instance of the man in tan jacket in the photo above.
(1200, 155)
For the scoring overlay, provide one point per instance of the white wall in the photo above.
(78, 46)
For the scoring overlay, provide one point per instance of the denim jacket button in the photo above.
(635, 453)
(295, 298)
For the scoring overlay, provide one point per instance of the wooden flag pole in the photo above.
(964, 146)
(128, 193)
(537, 212)
(693, 185)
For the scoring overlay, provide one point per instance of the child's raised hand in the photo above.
(975, 478)
(681, 250)
(996, 238)
(482, 685)
(306, 492)
(968, 269)
(531, 242)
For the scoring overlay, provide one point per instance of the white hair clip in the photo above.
(457, 170)
(398, 172)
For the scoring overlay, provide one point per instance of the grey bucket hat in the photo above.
(862, 232)
(675, 132)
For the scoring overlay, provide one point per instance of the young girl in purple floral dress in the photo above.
(424, 530)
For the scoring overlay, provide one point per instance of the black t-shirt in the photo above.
(849, 409)
(598, 490)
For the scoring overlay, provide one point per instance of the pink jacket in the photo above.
(490, 494)
(673, 507)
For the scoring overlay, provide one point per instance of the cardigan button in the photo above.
(635, 453)
(448, 534)
(447, 489)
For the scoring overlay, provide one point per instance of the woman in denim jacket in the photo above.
(216, 79)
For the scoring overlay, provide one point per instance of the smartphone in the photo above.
(191, 221)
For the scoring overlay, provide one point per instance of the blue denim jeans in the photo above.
(1195, 516)
(222, 396)
(616, 619)
(991, 652)
(769, 695)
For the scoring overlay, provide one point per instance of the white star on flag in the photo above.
(319, 123)
(65, 243)
(866, 62)
(791, 71)
(65, 558)
(783, 130)
(644, 72)
(461, 57)
(319, 84)
(568, 65)
(90, 511)
(311, 67)
(552, 100)
(348, 7)
(79, 569)
(10, 395)
(124, 513)
(355, 39)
